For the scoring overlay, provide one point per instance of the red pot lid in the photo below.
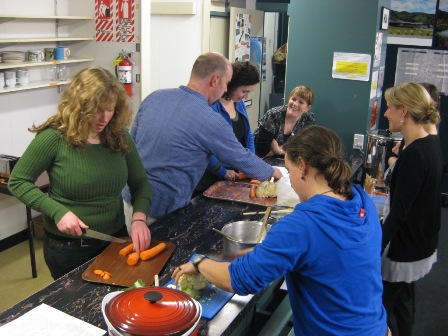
(153, 311)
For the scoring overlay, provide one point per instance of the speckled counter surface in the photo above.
(190, 229)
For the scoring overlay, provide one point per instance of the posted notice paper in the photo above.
(48, 321)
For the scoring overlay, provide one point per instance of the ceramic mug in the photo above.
(35, 56)
(61, 53)
(10, 78)
(49, 54)
(23, 77)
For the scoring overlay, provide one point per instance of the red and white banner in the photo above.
(125, 21)
(104, 11)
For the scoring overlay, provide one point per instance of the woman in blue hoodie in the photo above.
(232, 108)
(328, 248)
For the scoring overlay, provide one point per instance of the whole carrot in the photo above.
(126, 250)
(255, 182)
(133, 258)
(152, 252)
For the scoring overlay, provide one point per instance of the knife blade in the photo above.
(101, 236)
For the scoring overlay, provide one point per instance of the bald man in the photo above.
(176, 131)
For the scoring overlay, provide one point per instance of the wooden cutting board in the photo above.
(123, 274)
(237, 191)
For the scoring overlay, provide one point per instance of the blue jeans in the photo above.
(63, 255)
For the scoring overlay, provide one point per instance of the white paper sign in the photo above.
(351, 66)
(48, 321)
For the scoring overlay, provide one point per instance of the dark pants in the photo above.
(63, 255)
(206, 181)
(398, 300)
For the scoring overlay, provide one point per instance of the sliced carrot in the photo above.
(97, 272)
(152, 252)
(255, 182)
(106, 276)
(242, 176)
(133, 258)
(126, 250)
(252, 193)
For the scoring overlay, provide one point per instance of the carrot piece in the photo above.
(242, 176)
(255, 182)
(97, 272)
(106, 276)
(252, 193)
(133, 258)
(126, 250)
(152, 252)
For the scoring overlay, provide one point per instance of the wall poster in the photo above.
(411, 22)
(125, 21)
(441, 35)
(422, 65)
(351, 66)
(114, 20)
(242, 37)
(104, 22)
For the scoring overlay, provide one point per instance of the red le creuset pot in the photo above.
(151, 311)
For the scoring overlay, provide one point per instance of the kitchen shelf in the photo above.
(44, 39)
(61, 19)
(47, 37)
(33, 85)
(25, 64)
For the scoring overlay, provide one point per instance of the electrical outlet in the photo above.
(358, 141)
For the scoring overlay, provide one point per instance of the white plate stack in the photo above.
(12, 56)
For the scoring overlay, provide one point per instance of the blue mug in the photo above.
(61, 53)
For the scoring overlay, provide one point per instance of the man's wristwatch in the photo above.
(197, 260)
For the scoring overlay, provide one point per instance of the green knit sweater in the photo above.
(87, 181)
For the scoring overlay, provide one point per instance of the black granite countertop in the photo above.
(190, 229)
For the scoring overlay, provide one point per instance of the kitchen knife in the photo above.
(101, 236)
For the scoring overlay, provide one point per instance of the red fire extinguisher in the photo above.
(124, 72)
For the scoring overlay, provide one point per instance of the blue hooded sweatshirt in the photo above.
(328, 250)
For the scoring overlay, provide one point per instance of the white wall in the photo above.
(176, 42)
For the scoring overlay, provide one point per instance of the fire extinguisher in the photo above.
(124, 71)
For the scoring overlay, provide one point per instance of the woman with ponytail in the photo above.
(411, 229)
(328, 248)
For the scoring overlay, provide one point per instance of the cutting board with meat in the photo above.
(237, 191)
(121, 273)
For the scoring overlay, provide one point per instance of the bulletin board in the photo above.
(422, 65)
(243, 32)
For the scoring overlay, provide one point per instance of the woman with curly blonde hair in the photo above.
(89, 156)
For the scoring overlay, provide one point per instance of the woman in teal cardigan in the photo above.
(89, 156)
